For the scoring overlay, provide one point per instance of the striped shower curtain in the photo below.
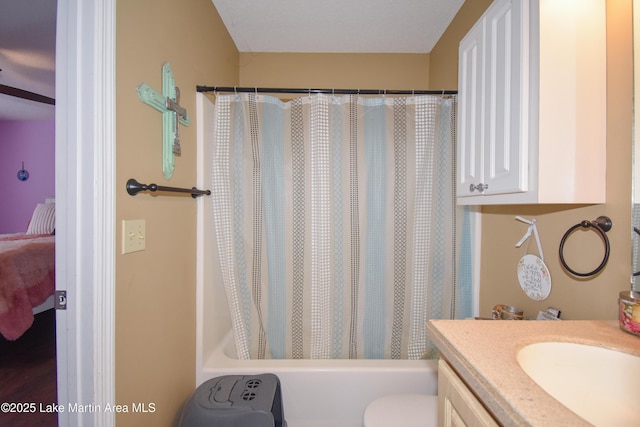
(336, 224)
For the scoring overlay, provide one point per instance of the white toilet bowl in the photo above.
(406, 410)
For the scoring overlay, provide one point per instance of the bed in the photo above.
(27, 272)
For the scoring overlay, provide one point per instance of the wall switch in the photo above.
(133, 235)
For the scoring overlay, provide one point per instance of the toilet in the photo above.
(407, 410)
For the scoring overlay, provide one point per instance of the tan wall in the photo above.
(594, 298)
(335, 70)
(155, 289)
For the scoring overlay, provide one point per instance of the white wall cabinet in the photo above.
(457, 406)
(532, 104)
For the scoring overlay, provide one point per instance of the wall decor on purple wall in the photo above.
(23, 174)
(31, 142)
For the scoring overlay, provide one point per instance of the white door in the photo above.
(505, 163)
(470, 112)
(85, 237)
(492, 150)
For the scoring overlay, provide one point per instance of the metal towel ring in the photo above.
(602, 224)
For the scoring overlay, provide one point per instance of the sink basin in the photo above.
(598, 384)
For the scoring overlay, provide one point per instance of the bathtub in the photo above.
(320, 393)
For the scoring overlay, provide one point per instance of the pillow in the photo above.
(43, 220)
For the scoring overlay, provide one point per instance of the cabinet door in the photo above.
(457, 406)
(470, 111)
(505, 144)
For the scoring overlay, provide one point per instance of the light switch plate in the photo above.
(133, 235)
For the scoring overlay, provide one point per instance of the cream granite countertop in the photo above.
(483, 353)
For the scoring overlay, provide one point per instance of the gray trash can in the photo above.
(236, 401)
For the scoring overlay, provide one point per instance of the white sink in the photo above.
(598, 384)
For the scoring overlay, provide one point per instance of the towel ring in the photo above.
(601, 225)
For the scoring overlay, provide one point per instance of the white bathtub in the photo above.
(321, 393)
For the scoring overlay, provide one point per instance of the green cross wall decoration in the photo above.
(168, 103)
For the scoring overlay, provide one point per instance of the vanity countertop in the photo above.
(483, 353)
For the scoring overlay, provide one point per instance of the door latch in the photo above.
(60, 300)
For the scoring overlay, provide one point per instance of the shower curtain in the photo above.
(336, 224)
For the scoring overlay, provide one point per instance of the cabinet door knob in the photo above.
(480, 187)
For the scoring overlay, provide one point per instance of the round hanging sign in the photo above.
(534, 277)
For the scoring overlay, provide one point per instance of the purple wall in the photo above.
(33, 142)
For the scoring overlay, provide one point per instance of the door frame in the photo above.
(85, 220)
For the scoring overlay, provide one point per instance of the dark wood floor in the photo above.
(28, 373)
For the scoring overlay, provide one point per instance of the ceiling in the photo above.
(27, 35)
(27, 56)
(337, 26)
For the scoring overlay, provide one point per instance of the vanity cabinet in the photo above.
(532, 104)
(457, 406)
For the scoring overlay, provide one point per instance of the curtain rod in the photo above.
(235, 89)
